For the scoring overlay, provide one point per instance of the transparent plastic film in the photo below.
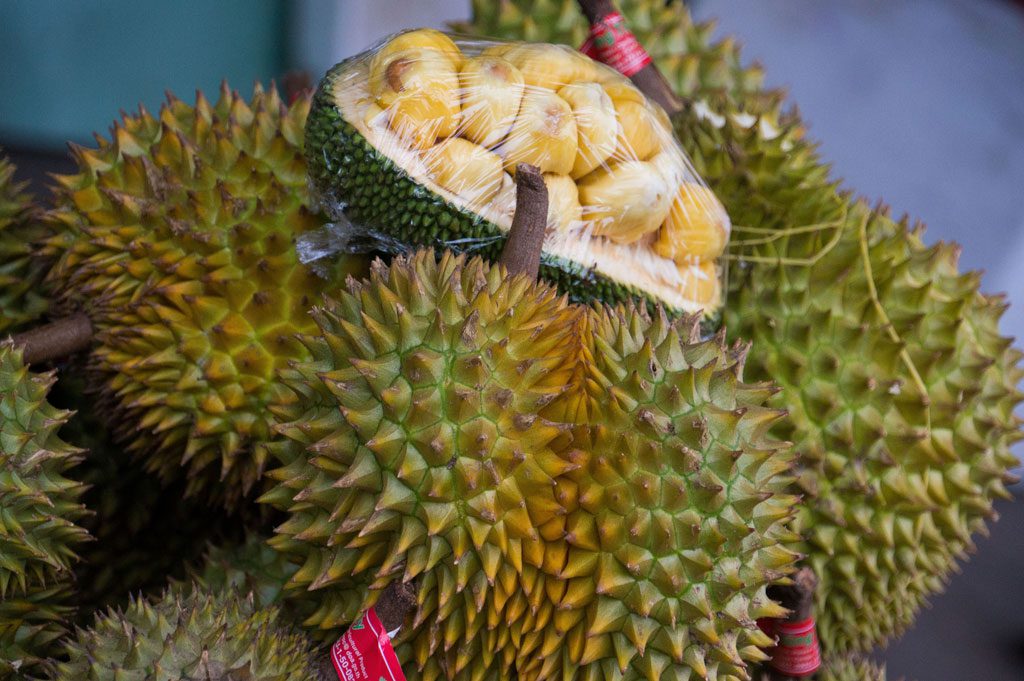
(426, 133)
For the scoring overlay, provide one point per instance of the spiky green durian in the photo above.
(579, 493)
(176, 237)
(900, 389)
(21, 297)
(694, 66)
(194, 635)
(850, 668)
(39, 509)
(677, 507)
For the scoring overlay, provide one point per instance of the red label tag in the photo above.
(798, 652)
(611, 43)
(364, 652)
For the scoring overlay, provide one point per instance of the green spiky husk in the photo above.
(694, 65)
(349, 172)
(194, 635)
(39, 534)
(176, 237)
(851, 668)
(900, 389)
(253, 567)
(21, 273)
(469, 432)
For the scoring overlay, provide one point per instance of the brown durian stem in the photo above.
(798, 598)
(649, 79)
(55, 340)
(396, 603)
(521, 254)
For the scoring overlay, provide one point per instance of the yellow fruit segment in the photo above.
(543, 135)
(597, 126)
(697, 227)
(492, 89)
(419, 90)
(641, 135)
(466, 169)
(549, 66)
(699, 282)
(564, 209)
(626, 200)
(420, 39)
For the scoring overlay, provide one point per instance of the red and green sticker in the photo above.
(611, 43)
(364, 652)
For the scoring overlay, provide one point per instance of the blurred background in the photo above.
(919, 102)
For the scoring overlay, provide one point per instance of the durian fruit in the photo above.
(697, 226)
(580, 493)
(21, 295)
(420, 411)
(564, 210)
(677, 510)
(176, 238)
(419, 90)
(850, 668)
(544, 134)
(596, 124)
(384, 184)
(694, 66)
(40, 533)
(900, 389)
(492, 89)
(626, 201)
(466, 169)
(190, 634)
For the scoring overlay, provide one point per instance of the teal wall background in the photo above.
(67, 67)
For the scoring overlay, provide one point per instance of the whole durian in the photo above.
(190, 634)
(39, 514)
(579, 493)
(21, 296)
(176, 238)
(900, 389)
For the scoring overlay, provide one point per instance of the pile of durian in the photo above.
(577, 481)
(457, 118)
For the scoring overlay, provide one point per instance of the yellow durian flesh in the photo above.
(419, 90)
(564, 210)
(697, 227)
(492, 89)
(597, 125)
(699, 282)
(641, 134)
(627, 200)
(465, 169)
(419, 40)
(543, 135)
(548, 66)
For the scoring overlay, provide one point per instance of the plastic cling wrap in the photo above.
(416, 142)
